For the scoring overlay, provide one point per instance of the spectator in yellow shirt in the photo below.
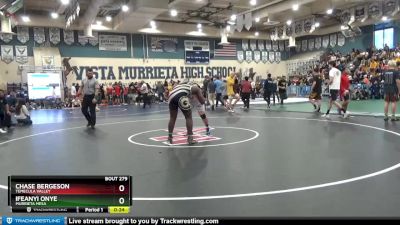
(230, 82)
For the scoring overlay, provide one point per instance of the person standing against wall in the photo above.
(89, 89)
(282, 89)
(218, 90)
(246, 91)
(268, 89)
(3, 111)
(144, 91)
(211, 93)
(391, 88)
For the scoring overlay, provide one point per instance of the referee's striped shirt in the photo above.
(180, 88)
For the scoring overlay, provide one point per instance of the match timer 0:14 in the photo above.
(58, 192)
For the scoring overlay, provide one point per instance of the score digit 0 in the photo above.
(121, 188)
(121, 201)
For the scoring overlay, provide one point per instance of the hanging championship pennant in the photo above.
(239, 23)
(280, 31)
(23, 34)
(249, 56)
(268, 45)
(277, 57)
(7, 53)
(264, 55)
(318, 42)
(375, 10)
(325, 41)
(287, 48)
(38, 35)
(261, 45)
(307, 25)
(271, 57)
(304, 45)
(333, 40)
(55, 36)
(245, 44)
(298, 46)
(360, 13)
(298, 27)
(257, 56)
(311, 44)
(345, 16)
(248, 20)
(240, 56)
(6, 37)
(69, 37)
(81, 39)
(253, 45)
(94, 41)
(289, 30)
(341, 39)
(275, 46)
(281, 46)
(21, 54)
(390, 7)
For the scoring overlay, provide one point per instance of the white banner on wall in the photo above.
(240, 56)
(94, 41)
(7, 53)
(264, 56)
(21, 54)
(23, 34)
(261, 45)
(116, 43)
(54, 35)
(38, 35)
(253, 45)
(257, 56)
(249, 56)
(69, 37)
(6, 37)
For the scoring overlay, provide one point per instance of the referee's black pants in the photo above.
(89, 109)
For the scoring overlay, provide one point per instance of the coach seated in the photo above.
(22, 114)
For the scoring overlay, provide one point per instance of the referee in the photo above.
(90, 89)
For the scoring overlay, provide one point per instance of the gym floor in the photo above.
(256, 163)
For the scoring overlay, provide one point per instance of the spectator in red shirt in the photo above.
(117, 93)
(126, 90)
(246, 91)
(345, 91)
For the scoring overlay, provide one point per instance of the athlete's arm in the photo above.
(197, 93)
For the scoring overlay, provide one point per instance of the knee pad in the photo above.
(203, 116)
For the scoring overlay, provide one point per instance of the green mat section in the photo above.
(361, 107)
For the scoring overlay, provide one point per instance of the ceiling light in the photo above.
(228, 28)
(295, 7)
(150, 30)
(108, 18)
(196, 33)
(256, 34)
(233, 17)
(153, 24)
(26, 19)
(200, 30)
(384, 18)
(257, 19)
(125, 8)
(253, 2)
(54, 15)
(329, 11)
(98, 22)
(199, 25)
(174, 12)
(65, 2)
(317, 24)
(288, 22)
(343, 27)
(231, 22)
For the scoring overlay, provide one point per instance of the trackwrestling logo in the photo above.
(180, 136)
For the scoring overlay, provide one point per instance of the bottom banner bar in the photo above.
(25, 220)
